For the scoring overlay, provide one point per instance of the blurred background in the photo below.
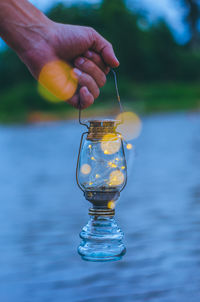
(157, 44)
(42, 210)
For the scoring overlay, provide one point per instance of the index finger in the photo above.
(97, 59)
(105, 49)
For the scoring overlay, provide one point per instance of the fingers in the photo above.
(85, 79)
(82, 99)
(97, 59)
(91, 76)
(86, 98)
(103, 47)
(87, 66)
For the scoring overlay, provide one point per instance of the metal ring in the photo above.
(101, 212)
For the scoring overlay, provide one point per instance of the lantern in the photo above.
(101, 174)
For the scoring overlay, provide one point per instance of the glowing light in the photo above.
(92, 158)
(131, 125)
(117, 158)
(111, 204)
(97, 175)
(90, 146)
(112, 165)
(47, 95)
(123, 167)
(110, 143)
(116, 178)
(129, 146)
(85, 169)
(57, 81)
(90, 183)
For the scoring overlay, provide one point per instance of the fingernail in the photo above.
(89, 54)
(77, 71)
(79, 61)
(116, 60)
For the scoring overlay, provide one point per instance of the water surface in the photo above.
(42, 212)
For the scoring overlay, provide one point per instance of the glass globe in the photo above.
(101, 175)
(102, 165)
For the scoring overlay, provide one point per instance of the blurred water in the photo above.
(42, 212)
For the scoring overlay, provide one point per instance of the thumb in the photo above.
(105, 49)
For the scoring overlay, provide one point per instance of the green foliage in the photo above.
(144, 55)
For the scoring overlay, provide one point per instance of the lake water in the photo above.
(42, 212)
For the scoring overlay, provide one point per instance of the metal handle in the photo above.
(79, 119)
(118, 99)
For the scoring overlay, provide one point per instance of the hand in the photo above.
(81, 47)
(38, 41)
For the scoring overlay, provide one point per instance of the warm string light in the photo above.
(116, 178)
(111, 204)
(109, 146)
(86, 169)
(110, 143)
(129, 146)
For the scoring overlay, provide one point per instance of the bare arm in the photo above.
(37, 40)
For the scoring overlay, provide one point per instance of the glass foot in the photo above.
(101, 240)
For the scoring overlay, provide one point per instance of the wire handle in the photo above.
(118, 99)
(117, 90)
(79, 118)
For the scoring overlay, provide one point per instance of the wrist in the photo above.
(22, 26)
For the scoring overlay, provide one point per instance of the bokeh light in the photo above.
(130, 126)
(129, 146)
(111, 204)
(116, 178)
(112, 165)
(57, 81)
(85, 169)
(110, 143)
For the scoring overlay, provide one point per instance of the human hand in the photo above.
(38, 41)
(83, 48)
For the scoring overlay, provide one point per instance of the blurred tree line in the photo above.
(147, 52)
(193, 20)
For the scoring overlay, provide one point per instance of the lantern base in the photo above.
(101, 240)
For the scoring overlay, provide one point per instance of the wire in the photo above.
(118, 99)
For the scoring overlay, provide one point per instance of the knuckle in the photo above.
(91, 30)
(109, 44)
(89, 64)
(98, 60)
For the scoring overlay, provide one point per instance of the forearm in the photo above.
(38, 41)
(22, 25)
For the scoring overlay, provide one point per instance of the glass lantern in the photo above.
(101, 174)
